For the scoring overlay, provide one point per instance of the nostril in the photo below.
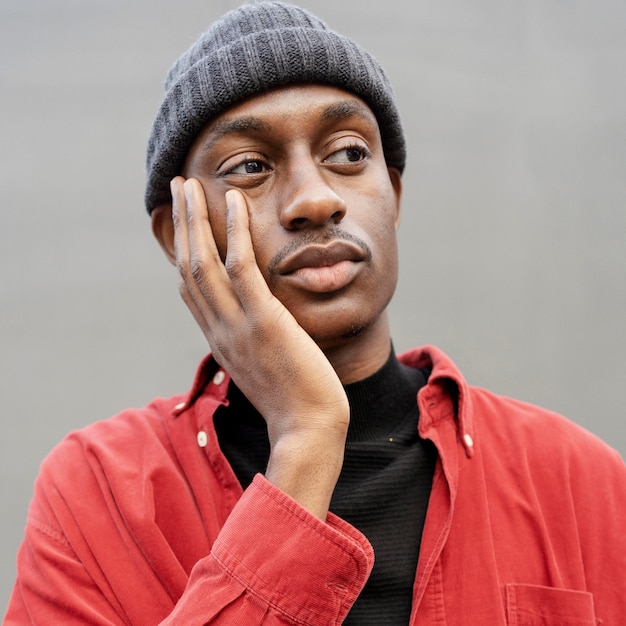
(303, 222)
(296, 222)
(312, 205)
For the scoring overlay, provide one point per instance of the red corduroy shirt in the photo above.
(140, 520)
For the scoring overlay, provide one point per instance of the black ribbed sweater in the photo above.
(384, 485)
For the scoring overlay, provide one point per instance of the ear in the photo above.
(163, 230)
(396, 183)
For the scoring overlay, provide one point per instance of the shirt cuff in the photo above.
(305, 568)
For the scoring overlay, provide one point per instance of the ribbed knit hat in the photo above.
(252, 50)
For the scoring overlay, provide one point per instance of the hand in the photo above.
(274, 362)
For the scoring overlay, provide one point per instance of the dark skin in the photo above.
(283, 229)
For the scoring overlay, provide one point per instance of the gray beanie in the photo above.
(252, 50)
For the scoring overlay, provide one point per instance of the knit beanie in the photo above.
(251, 50)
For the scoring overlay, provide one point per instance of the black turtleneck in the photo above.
(384, 485)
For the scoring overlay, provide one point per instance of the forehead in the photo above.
(308, 104)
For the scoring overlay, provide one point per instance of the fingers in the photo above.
(179, 217)
(195, 250)
(215, 290)
(203, 252)
(240, 263)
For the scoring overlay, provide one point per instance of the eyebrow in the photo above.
(335, 112)
(345, 109)
(227, 127)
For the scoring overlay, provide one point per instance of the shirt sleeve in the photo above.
(283, 563)
(273, 563)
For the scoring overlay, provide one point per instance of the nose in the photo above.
(311, 201)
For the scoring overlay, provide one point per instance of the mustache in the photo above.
(309, 237)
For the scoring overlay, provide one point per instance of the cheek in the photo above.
(385, 243)
(264, 244)
(389, 251)
(217, 220)
(383, 229)
(258, 224)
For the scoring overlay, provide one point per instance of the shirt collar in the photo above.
(210, 378)
(445, 381)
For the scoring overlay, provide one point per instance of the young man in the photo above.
(309, 476)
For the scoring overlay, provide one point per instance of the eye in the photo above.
(249, 166)
(351, 154)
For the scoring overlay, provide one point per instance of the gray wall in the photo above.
(513, 233)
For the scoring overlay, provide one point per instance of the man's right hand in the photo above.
(274, 362)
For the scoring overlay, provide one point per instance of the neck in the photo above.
(362, 355)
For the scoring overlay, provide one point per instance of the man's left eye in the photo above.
(347, 155)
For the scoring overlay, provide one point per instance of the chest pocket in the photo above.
(533, 605)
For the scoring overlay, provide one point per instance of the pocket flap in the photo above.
(534, 605)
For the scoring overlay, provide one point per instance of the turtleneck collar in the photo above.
(380, 402)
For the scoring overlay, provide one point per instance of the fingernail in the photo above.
(188, 189)
(230, 201)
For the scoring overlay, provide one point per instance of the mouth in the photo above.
(323, 268)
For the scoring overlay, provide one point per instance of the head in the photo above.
(304, 123)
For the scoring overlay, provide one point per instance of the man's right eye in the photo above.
(253, 166)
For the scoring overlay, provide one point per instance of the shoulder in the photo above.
(516, 421)
(522, 435)
(109, 453)
(121, 434)
(506, 425)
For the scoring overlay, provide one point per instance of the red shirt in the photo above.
(140, 520)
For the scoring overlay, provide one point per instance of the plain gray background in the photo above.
(512, 243)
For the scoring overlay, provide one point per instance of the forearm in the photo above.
(275, 563)
(292, 384)
(272, 564)
(307, 467)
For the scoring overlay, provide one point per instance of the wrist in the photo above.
(307, 468)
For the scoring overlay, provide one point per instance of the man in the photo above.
(309, 476)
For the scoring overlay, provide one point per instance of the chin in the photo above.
(334, 338)
(354, 331)
(333, 323)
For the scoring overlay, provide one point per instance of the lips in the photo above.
(319, 256)
(323, 268)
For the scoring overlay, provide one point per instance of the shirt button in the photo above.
(202, 439)
(469, 442)
(219, 377)
(180, 406)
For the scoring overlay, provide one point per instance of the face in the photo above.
(323, 206)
